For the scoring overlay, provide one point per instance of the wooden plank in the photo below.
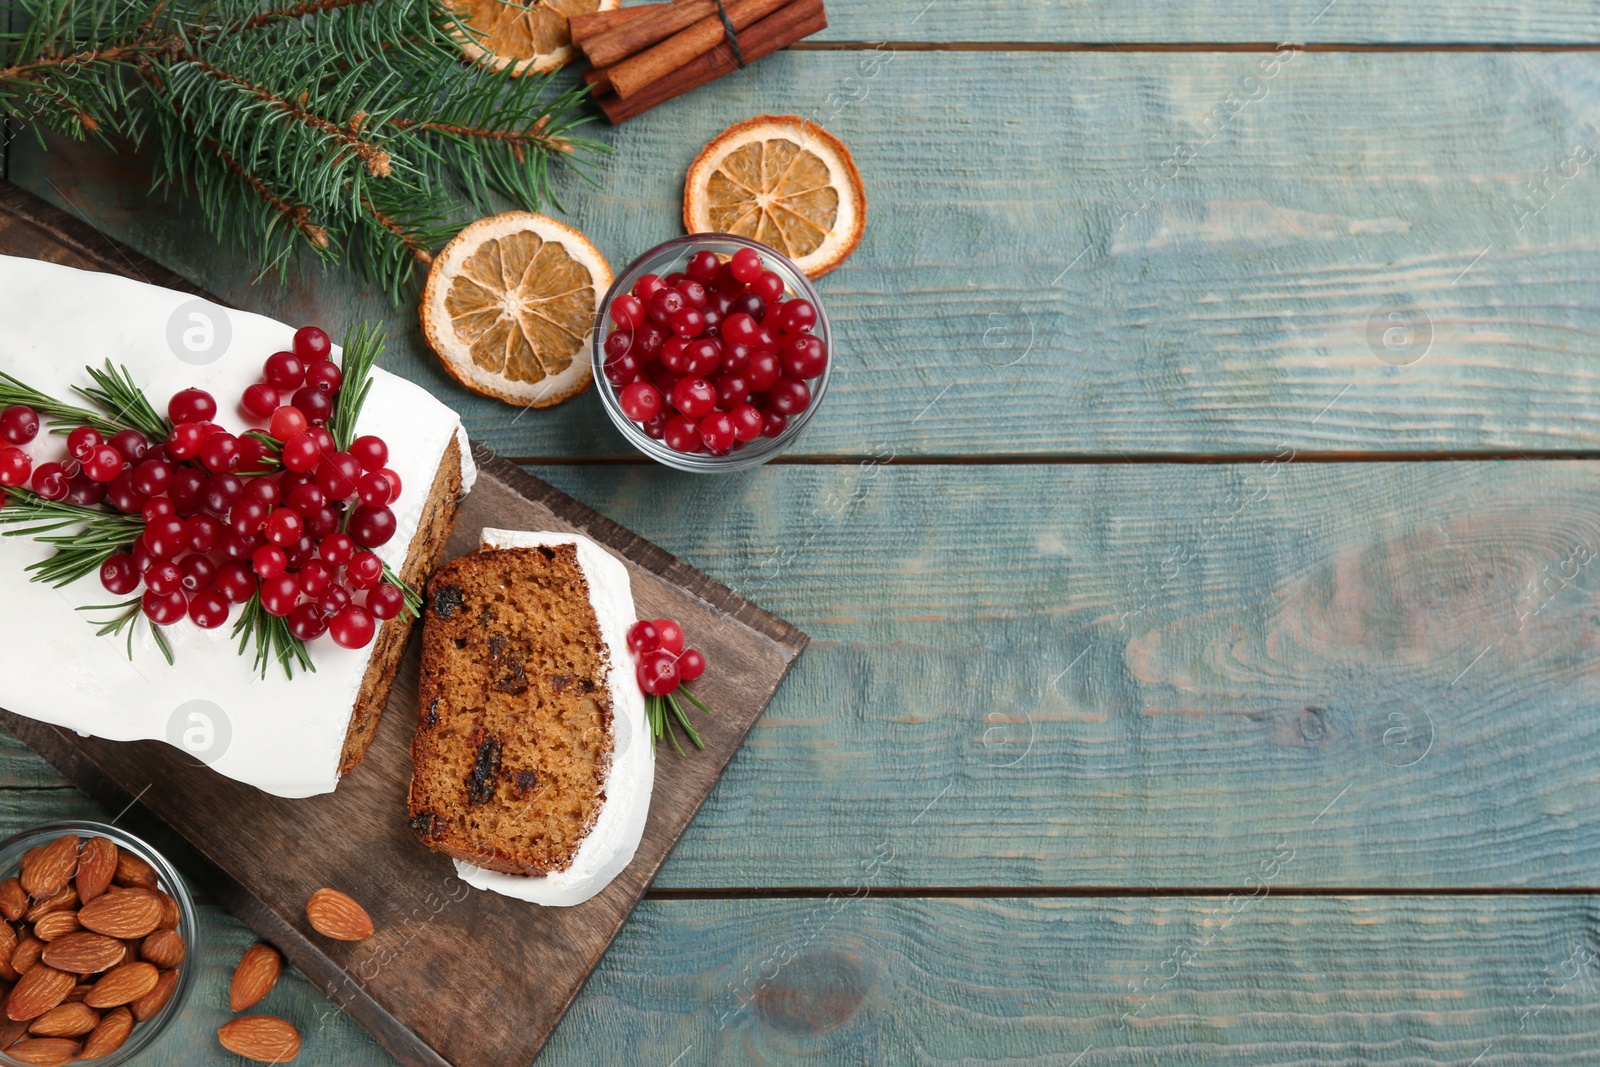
(1133, 675)
(1080, 291)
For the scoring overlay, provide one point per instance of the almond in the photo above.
(13, 899)
(66, 1020)
(44, 1051)
(12, 1031)
(152, 1002)
(170, 915)
(122, 985)
(52, 867)
(134, 872)
(255, 976)
(97, 864)
(8, 947)
(84, 953)
(41, 989)
(164, 948)
(56, 924)
(80, 993)
(109, 1035)
(263, 1038)
(27, 954)
(63, 899)
(134, 913)
(335, 915)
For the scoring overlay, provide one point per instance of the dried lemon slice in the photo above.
(509, 306)
(783, 181)
(532, 38)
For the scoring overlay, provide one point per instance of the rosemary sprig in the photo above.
(272, 639)
(13, 391)
(362, 345)
(665, 711)
(98, 534)
(129, 612)
(115, 391)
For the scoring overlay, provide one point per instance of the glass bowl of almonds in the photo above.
(95, 930)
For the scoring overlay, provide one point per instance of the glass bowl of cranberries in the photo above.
(712, 352)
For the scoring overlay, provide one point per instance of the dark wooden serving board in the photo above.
(452, 976)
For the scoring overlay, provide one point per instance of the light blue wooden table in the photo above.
(1196, 544)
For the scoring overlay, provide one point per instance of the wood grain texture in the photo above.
(1081, 289)
(1132, 675)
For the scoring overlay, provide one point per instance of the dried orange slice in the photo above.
(510, 304)
(783, 181)
(531, 38)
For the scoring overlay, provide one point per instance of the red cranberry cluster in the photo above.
(710, 358)
(663, 661)
(226, 516)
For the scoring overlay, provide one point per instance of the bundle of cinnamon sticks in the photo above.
(646, 55)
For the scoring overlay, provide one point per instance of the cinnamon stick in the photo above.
(619, 42)
(799, 19)
(595, 23)
(653, 64)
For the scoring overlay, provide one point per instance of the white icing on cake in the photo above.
(620, 825)
(280, 735)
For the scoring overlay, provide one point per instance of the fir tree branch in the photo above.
(298, 216)
(299, 11)
(413, 244)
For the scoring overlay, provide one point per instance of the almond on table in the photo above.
(262, 1038)
(255, 976)
(333, 914)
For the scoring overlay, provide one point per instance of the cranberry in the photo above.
(671, 635)
(739, 328)
(619, 343)
(222, 491)
(765, 338)
(164, 609)
(152, 477)
(736, 357)
(300, 453)
(746, 265)
(119, 574)
(704, 356)
(335, 600)
(648, 340)
(236, 581)
(311, 344)
(713, 320)
(371, 452)
(220, 452)
(722, 302)
(372, 526)
(337, 549)
(324, 440)
(306, 622)
(260, 400)
(773, 424)
(658, 672)
(716, 430)
(284, 371)
(186, 490)
(209, 610)
(157, 508)
(621, 370)
(695, 397)
(694, 294)
(373, 489)
(763, 371)
(665, 304)
(15, 466)
(352, 628)
(732, 391)
(84, 491)
(265, 490)
(804, 357)
(130, 444)
(703, 265)
(642, 637)
(337, 474)
(103, 464)
(166, 537)
(19, 424)
(747, 422)
(324, 375)
(365, 570)
(316, 405)
(238, 546)
(675, 355)
(687, 322)
(50, 481)
(204, 532)
(247, 517)
(647, 286)
(726, 286)
(322, 522)
(385, 601)
(253, 456)
(285, 527)
(789, 396)
(142, 559)
(656, 428)
(641, 401)
(691, 665)
(752, 305)
(164, 577)
(185, 440)
(286, 422)
(121, 492)
(279, 594)
(796, 316)
(674, 279)
(394, 483)
(306, 499)
(627, 311)
(198, 573)
(315, 578)
(192, 405)
(682, 435)
(82, 442)
(768, 286)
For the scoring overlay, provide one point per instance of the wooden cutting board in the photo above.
(452, 976)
